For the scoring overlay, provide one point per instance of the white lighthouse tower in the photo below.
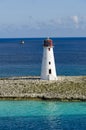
(48, 70)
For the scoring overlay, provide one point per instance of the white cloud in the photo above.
(75, 19)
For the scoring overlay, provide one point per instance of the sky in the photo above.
(42, 18)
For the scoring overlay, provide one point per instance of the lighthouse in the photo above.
(48, 69)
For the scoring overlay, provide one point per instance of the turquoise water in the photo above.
(40, 108)
(42, 115)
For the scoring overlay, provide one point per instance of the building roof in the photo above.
(48, 42)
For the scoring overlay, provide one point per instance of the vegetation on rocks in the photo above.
(65, 88)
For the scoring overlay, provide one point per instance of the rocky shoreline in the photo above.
(66, 88)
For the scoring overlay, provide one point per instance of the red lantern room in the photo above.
(48, 43)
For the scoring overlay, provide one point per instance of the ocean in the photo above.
(42, 115)
(25, 59)
(18, 59)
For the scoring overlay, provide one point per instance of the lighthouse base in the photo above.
(49, 77)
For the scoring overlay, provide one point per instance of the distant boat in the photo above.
(22, 41)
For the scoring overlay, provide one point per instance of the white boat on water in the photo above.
(22, 41)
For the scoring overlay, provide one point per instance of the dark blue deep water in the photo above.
(42, 115)
(25, 59)
(44, 123)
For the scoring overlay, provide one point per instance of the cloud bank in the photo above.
(60, 26)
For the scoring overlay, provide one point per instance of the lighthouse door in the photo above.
(49, 71)
(50, 75)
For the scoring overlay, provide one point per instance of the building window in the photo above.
(49, 49)
(49, 71)
(49, 62)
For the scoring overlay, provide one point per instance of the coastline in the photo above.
(66, 88)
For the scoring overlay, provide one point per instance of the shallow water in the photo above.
(42, 115)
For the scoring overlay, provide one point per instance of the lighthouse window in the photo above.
(49, 49)
(49, 62)
(49, 71)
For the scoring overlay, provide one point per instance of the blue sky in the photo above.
(42, 18)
